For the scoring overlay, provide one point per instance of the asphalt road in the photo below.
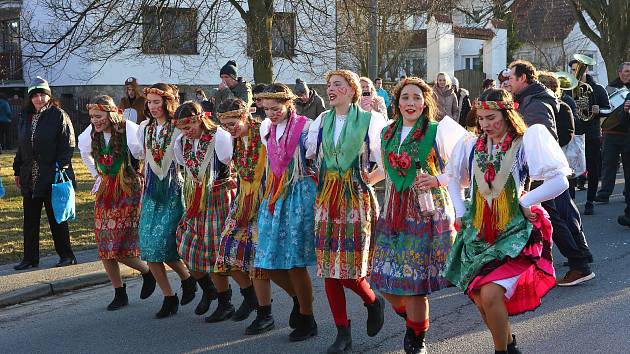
(590, 318)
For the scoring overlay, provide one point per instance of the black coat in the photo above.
(538, 105)
(53, 143)
(592, 128)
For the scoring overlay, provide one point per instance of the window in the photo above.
(282, 36)
(10, 35)
(169, 31)
(472, 63)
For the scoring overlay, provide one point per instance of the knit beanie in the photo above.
(300, 87)
(132, 81)
(230, 68)
(39, 85)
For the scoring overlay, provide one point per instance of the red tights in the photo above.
(337, 296)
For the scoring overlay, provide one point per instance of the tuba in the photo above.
(583, 91)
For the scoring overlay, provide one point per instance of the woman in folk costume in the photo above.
(346, 142)
(501, 257)
(110, 148)
(162, 205)
(415, 230)
(240, 233)
(285, 218)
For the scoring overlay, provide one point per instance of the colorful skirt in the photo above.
(199, 236)
(158, 223)
(285, 236)
(116, 227)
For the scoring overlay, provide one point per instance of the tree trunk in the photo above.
(259, 21)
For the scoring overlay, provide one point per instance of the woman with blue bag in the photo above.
(45, 141)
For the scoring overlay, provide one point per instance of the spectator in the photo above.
(232, 86)
(488, 84)
(5, 120)
(203, 101)
(445, 97)
(260, 109)
(564, 117)
(370, 101)
(308, 103)
(463, 102)
(378, 84)
(133, 102)
(504, 80)
(45, 138)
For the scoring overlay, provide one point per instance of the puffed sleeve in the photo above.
(377, 123)
(223, 146)
(178, 150)
(544, 156)
(459, 173)
(311, 138)
(135, 147)
(449, 133)
(140, 138)
(85, 147)
(265, 126)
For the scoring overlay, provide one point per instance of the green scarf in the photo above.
(339, 158)
(400, 159)
(107, 163)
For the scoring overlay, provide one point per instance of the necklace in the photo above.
(246, 159)
(490, 163)
(159, 144)
(194, 159)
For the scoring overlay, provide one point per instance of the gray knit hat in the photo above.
(39, 85)
(300, 87)
(230, 68)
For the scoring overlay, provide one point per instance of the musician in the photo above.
(614, 139)
(597, 100)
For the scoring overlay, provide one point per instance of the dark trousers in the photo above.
(568, 234)
(625, 159)
(593, 166)
(32, 219)
(612, 149)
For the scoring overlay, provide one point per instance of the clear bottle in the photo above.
(424, 198)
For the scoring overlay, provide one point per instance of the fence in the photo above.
(470, 80)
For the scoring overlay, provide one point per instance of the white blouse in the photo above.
(222, 147)
(85, 145)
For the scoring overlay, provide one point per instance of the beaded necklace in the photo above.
(159, 144)
(246, 159)
(194, 159)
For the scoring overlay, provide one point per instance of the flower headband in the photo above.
(103, 108)
(276, 96)
(190, 119)
(237, 113)
(496, 105)
(158, 92)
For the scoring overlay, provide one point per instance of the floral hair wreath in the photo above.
(237, 113)
(194, 118)
(103, 108)
(158, 92)
(276, 96)
(496, 105)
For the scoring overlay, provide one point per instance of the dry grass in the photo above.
(11, 215)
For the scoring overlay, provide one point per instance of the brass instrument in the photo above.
(567, 81)
(583, 91)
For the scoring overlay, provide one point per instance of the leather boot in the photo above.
(189, 287)
(343, 342)
(120, 299)
(376, 316)
(511, 348)
(414, 344)
(169, 306)
(225, 309)
(26, 264)
(295, 311)
(263, 321)
(209, 294)
(148, 285)
(306, 327)
(248, 305)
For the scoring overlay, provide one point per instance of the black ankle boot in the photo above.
(295, 311)
(248, 305)
(343, 342)
(263, 322)
(120, 299)
(305, 328)
(169, 306)
(414, 344)
(511, 348)
(148, 285)
(501, 352)
(209, 294)
(376, 316)
(189, 287)
(225, 309)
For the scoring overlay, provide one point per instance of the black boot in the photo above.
(293, 318)
(376, 316)
(189, 287)
(305, 328)
(249, 304)
(209, 294)
(501, 352)
(169, 306)
(225, 309)
(414, 344)
(148, 285)
(26, 264)
(343, 342)
(512, 349)
(263, 321)
(120, 299)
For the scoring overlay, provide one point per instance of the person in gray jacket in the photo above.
(308, 103)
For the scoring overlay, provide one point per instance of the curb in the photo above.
(56, 287)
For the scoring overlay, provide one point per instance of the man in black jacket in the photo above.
(625, 219)
(538, 105)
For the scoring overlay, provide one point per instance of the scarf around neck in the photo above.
(339, 157)
(280, 153)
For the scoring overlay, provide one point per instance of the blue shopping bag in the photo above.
(1, 188)
(63, 197)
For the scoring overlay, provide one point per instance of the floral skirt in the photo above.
(158, 223)
(116, 227)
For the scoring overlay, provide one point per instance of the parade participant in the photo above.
(504, 80)
(162, 205)
(501, 257)
(240, 233)
(345, 142)
(415, 230)
(597, 100)
(624, 219)
(231, 86)
(445, 97)
(285, 218)
(110, 150)
(308, 103)
(370, 100)
(537, 105)
(565, 123)
(133, 102)
(260, 109)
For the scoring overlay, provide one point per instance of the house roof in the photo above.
(473, 32)
(540, 20)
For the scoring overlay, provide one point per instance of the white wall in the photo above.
(466, 47)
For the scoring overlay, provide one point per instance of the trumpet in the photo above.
(583, 91)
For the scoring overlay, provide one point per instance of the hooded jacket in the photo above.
(312, 108)
(538, 105)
